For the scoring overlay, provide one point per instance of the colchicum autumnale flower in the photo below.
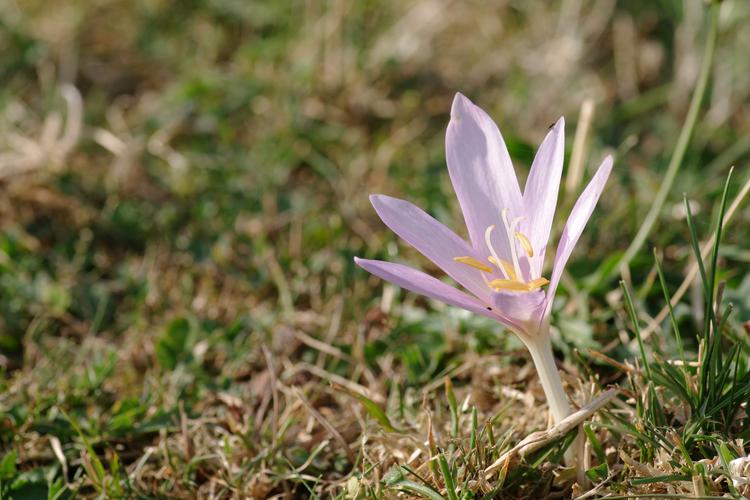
(502, 264)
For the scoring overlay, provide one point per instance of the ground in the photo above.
(185, 185)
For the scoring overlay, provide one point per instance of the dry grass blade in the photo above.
(537, 440)
(612, 362)
(577, 157)
(325, 423)
(274, 391)
(187, 442)
(337, 380)
(58, 451)
(321, 346)
(57, 139)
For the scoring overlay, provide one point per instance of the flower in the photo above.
(508, 230)
(501, 267)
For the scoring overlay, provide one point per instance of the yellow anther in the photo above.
(518, 286)
(506, 266)
(537, 283)
(525, 243)
(472, 262)
(512, 285)
(513, 278)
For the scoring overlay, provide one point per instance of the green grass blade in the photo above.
(695, 245)
(376, 412)
(419, 489)
(680, 147)
(474, 426)
(453, 406)
(450, 482)
(668, 299)
(717, 239)
(596, 445)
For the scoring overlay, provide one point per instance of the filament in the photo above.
(511, 242)
(472, 262)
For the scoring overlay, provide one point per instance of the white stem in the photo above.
(540, 348)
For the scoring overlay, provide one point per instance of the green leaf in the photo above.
(57, 490)
(598, 473)
(8, 465)
(29, 485)
(173, 343)
(98, 467)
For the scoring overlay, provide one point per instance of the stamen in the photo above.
(488, 240)
(512, 271)
(504, 266)
(511, 243)
(512, 285)
(486, 281)
(472, 262)
(537, 283)
(518, 286)
(525, 243)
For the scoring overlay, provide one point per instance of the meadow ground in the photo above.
(184, 185)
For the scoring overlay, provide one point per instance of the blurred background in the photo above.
(183, 185)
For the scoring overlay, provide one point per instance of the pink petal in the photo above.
(480, 170)
(524, 310)
(432, 239)
(423, 284)
(576, 222)
(540, 193)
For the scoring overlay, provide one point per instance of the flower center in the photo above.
(512, 279)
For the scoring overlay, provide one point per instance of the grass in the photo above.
(184, 186)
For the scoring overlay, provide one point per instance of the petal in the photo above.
(480, 170)
(540, 193)
(432, 239)
(423, 284)
(521, 309)
(576, 222)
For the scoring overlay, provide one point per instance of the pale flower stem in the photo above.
(540, 348)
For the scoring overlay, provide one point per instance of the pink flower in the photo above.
(501, 266)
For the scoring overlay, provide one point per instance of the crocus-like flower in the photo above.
(501, 267)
